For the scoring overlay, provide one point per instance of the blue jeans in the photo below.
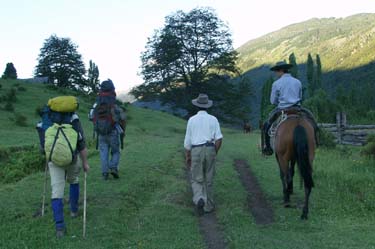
(109, 150)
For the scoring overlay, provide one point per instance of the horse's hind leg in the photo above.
(305, 210)
(284, 181)
(290, 177)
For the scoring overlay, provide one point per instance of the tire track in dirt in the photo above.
(209, 227)
(256, 201)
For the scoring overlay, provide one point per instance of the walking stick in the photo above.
(84, 207)
(45, 187)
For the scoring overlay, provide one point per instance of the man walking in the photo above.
(109, 122)
(202, 142)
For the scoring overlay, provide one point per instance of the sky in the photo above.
(113, 33)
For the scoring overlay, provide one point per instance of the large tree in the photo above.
(93, 83)
(60, 61)
(294, 69)
(310, 75)
(10, 71)
(183, 57)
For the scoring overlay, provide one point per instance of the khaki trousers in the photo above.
(60, 174)
(202, 173)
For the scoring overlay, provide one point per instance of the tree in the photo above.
(310, 75)
(93, 83)
(318, 75)
(265, 105)
(183, 57)
(10, 71)
(60, 61)
(294, 69)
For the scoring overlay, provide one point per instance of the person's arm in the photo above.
(218, 144)
(188, 158)
(187, 145)
(274, 99)
(85, 163)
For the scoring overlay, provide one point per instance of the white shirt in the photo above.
(286, 91)
(202, 128)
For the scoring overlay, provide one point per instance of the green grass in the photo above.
(150, 205)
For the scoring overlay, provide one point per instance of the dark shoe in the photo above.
(60, 232)
(114, 173)
(200, 207)
(105, 176)
(267, 151)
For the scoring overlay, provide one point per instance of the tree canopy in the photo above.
(93, 83)
(10, 71)
(182, 58)
(60, 61)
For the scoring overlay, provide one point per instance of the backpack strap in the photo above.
(54, 143)
(67, 140)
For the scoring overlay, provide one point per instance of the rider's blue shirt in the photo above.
(286, 91)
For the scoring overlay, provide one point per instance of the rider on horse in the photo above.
(286, 94)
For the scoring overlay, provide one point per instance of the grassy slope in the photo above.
(150, 207)
(342, 43)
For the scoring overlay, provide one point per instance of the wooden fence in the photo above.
(348, 134)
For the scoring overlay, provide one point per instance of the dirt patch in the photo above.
(256, 201)
(209, 226)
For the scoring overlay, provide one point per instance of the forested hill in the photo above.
(346, 47)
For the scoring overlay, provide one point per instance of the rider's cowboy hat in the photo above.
(281, 65)
(202, 101)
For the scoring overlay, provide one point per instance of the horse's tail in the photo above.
(301, 151)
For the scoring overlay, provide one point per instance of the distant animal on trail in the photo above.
(246, 127)
(295, 143)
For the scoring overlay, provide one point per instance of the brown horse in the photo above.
(295, 143)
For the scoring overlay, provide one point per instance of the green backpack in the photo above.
(60, 144)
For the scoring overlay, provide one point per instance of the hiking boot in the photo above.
(105, 176)
(200, 207)
(267, 151)
(114, 173)
(60, 232)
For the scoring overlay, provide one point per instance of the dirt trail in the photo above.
(209, 227)
(256, 201)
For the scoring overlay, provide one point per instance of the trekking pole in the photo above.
(45, 187)
(84, 206)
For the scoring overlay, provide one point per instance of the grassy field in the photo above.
(150, 205)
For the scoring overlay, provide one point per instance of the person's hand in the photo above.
(188, 162)
(86, 167)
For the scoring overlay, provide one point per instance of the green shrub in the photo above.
(17, 84)
(38, 111)
(21, 89)
(369, 148)
(326, 139)
(9, 107)
(10, 96)
(20, 119)
(1, 86)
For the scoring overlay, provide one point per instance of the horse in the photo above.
(294, 142)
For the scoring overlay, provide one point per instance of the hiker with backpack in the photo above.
(62, 140)
(109, 124)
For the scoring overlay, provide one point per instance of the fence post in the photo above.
(341, 126)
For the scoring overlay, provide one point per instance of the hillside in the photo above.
(150, 205)
(346, 47)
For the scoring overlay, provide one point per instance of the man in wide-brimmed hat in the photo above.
(286, 93)
(202, 142)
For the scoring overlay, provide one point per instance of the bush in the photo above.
(10, 96)
(1, 86)
(369, 148)
(20, 119)
(21, 89)
(38, 111)
(326, 139)
(9, 107)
